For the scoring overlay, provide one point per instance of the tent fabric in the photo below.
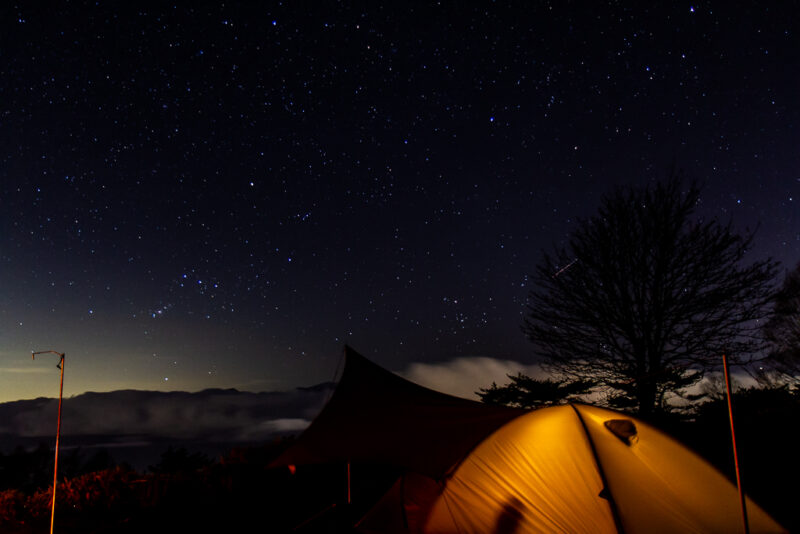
(375, 416)
(404, 508)
(661, 486)
(534, 473)
(539, 474)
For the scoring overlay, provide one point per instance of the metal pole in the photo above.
(58, 430)
(349, 500)
(735, 453)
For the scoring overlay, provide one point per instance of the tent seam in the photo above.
(610, 498)
(452, 515)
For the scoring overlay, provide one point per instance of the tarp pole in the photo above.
(60, 365)
(735, 453)
(348, 483)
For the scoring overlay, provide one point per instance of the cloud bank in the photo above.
(462, 377)
(221, 415)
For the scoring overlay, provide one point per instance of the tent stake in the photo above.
(735, 453)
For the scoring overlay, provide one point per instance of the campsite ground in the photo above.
(229, 495)
(186, 492)
(233, 497)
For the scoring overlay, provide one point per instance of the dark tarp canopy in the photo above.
(374, 416)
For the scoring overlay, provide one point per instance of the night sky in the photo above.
(202, 196)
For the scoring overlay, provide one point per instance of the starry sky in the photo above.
(199, 195)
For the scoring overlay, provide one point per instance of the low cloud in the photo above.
(218, 415)
(265, 429)
(24, 370)
(462, 377)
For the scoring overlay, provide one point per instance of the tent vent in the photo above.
(624, 429)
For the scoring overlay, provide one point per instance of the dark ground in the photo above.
(188, 491)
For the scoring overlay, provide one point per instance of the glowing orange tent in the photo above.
(572, 468)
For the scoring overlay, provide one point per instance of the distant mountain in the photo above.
(135, 426)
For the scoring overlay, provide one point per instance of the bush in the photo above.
(12, 506)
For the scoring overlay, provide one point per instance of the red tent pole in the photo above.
(735, 454)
